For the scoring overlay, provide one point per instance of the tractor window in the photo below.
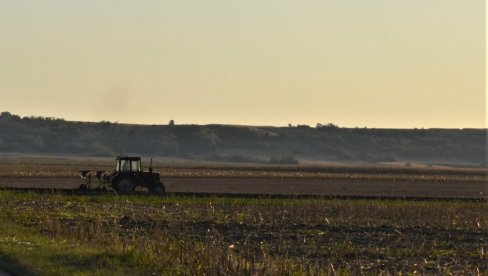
(136, 166)
(125, 165)
(128, 165)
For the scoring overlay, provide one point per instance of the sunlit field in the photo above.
(108, 234)
(221, 219)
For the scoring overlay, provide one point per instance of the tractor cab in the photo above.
(128, 164)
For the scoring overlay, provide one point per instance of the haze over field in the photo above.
(382, 63)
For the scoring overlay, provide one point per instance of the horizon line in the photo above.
(325, 125)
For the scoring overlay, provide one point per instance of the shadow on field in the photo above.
(12, 267)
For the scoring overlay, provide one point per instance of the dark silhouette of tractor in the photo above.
(125, 178)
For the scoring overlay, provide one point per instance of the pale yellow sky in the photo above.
(375, 63)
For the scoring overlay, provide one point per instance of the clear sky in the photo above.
(374, 63)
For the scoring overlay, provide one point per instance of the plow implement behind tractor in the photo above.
(125, 178)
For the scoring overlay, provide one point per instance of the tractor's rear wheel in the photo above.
(157, 189)
(124, 184)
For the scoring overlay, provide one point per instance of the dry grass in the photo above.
(107, 234)
(220, 235)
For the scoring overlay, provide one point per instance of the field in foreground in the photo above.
(53, 234)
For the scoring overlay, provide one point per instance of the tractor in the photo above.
(125, 178)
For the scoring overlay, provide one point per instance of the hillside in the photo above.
(242, 143)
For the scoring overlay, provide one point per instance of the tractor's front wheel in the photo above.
(157, 189)
(124, 184)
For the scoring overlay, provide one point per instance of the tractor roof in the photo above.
(131, 158)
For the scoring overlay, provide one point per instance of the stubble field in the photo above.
(59, 234)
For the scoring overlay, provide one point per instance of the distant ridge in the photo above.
(241, 143)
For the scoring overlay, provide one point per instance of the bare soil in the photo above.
(443, 189)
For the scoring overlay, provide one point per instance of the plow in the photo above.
(126, 176)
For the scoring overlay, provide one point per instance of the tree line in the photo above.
(240, 143)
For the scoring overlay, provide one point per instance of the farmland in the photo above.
(222, 219)
(50, 233)
(346, 180)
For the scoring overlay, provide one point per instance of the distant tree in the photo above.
(6, 114)
(331, 125)
(290, 125)
(171, 122)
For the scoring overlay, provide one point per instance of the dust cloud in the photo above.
(116, 104)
